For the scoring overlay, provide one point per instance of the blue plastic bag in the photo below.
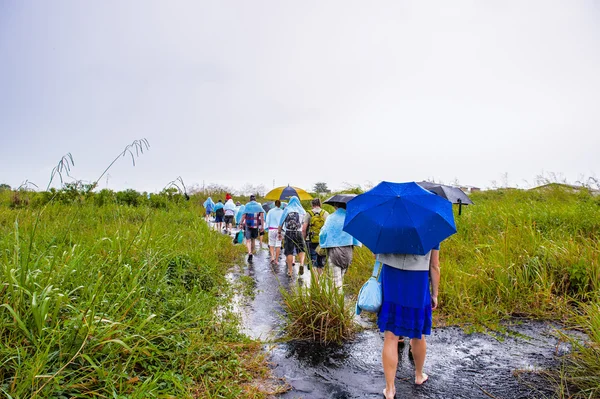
(239, 237)
(370, 295)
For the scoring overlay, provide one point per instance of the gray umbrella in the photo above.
(340, 200)
(267, 206)
(452, 194)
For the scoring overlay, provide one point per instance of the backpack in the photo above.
(316, 223)
(220, 212)
(292, 222)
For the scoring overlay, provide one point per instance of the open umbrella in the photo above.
(451, 193)
(399, 218)
(285, 192)
(339, 200)
(267, 206)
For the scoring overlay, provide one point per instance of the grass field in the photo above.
(118, 301)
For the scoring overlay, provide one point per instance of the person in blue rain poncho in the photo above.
(219, 215)
(209, 205)
(229, 209)
(292, 218)
(253, 220)
(239, 213)
(339, 245)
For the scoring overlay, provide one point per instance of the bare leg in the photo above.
(277, 252)
(419, 350)
(389, 357)
(249, 245)
(338, 276)
(272, 252)
(301, 257)
(290, 264)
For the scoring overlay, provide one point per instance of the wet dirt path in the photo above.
(459, 365)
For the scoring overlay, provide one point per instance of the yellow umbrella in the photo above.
(285, 192)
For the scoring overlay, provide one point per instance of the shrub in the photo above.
(318, 313)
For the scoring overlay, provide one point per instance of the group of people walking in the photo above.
(409, 282)
(298, 232)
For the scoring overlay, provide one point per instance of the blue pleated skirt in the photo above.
(406, 307)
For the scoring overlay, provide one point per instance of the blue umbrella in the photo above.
(399, 218)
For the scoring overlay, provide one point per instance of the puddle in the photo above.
(459, 365)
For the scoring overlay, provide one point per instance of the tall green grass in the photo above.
(318, 312)
(118, 301)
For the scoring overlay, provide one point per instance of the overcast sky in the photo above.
(237, 92)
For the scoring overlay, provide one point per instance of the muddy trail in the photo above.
(460, 365)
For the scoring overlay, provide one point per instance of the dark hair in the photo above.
(252, 197)
(277, 203)
(316, 202)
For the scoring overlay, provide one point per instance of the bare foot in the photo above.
(389, 396)
(422, 379)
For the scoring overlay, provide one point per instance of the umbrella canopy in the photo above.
(286, 192)
(267, 206)
(399, 218)
(452, 194)
(340, 200)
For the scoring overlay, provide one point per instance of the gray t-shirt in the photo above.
(406, 261)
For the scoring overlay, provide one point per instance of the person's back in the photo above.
(315, 219)
(273, 218)
(292, 222)
(253, 219)
(313, 223)
(272, 224)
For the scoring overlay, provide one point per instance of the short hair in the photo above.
(277, 203)
(316, 202)
(253, 197)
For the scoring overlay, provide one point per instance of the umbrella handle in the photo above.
(459, 207)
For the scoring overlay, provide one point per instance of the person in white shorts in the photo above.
(273, 218)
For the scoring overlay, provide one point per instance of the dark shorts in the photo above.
(250, 233)
(316, 259)
(293, 240)
(229, 219)
(208, 213)
(218, 219)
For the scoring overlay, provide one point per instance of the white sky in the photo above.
(244, 92)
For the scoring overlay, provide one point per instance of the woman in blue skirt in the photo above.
(410, 290)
